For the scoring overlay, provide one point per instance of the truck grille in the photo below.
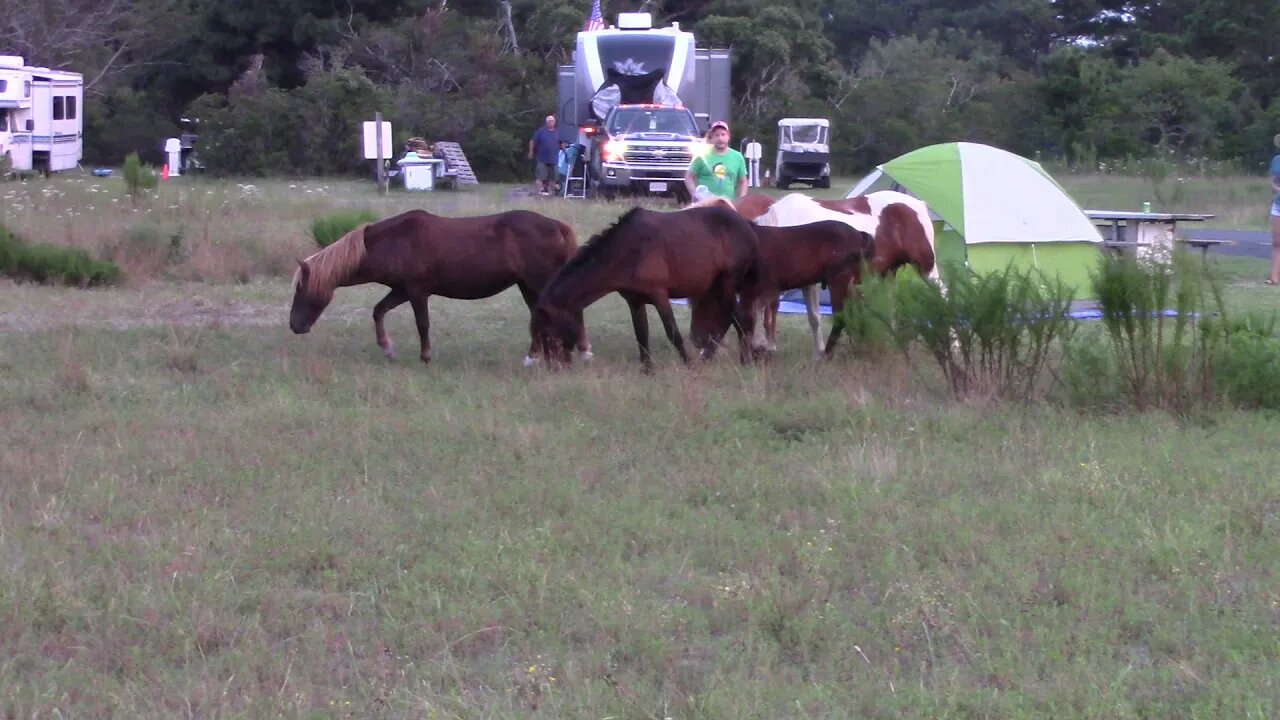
(658, 155)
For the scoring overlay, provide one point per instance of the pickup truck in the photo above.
(645, 150)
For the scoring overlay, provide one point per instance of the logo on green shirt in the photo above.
(721, 173)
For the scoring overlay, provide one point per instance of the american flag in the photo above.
(596, 21)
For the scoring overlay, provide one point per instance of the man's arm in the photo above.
(531, 148)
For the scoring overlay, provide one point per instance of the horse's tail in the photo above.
(568, 238)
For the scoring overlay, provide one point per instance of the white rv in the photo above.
(41, 116)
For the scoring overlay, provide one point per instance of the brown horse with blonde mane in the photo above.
(708, 255)
(417, 254)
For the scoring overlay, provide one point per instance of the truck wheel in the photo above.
(783, 182)
(824, 183)
(608, 192)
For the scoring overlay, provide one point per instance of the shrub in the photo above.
(991, 334)
(51, 264)
(1246, 370)
(330, 228)
(137, 177)
(870, 319)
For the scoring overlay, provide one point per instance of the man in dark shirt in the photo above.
(544, 150)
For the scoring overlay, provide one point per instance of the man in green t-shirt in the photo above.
(722, 170)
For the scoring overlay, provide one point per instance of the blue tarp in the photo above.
(1079, 311)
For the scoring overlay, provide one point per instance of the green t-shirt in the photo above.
(720, 173)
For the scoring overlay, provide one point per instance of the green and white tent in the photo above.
(992, 208)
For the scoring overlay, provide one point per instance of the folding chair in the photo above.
(576, 181)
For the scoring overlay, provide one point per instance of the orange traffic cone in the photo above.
(164, 172)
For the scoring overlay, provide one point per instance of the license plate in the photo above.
(657, 187)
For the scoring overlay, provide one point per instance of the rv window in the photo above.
(71, 107)
(26, 89)
(4, 86)
(59, 108)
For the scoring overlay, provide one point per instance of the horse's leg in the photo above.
(663, 304)
(535, 342)
(771, 322)
(841, 286)
(744, 319)
(394, 299)
(812, 300)
(419, 303)
(584, 342)
(640, 323)
(760, 333)
(700, 330)
(719, 314)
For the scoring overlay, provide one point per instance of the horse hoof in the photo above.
(530, 361)
(587, 356)
(389, 353)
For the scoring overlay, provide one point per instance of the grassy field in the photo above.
(203, 515)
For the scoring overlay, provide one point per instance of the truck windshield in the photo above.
(640, 120)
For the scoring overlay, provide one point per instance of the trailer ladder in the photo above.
(456, 162)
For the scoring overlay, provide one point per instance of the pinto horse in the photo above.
(900, 223)
(417, 254)
(707, 255)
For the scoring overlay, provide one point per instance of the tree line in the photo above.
(281, 86)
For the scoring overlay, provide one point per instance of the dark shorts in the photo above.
(544, 171)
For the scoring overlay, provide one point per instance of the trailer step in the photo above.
(457, 162)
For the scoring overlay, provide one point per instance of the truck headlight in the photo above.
(614, 150)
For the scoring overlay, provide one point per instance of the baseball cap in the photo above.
(719, 124)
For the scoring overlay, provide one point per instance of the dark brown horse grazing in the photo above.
(418, 254)
(827, 252)
(706, 254)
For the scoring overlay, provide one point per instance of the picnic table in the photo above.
(1149, 231)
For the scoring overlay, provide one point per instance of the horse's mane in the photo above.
(591, 249)
(330, 266)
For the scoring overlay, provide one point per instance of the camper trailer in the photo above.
(639, 100)
(41, 116)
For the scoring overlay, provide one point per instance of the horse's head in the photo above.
(558, 331)
(308, 302)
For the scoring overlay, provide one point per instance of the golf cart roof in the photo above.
(793, 122)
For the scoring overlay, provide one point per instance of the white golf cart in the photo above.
(804, 152)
